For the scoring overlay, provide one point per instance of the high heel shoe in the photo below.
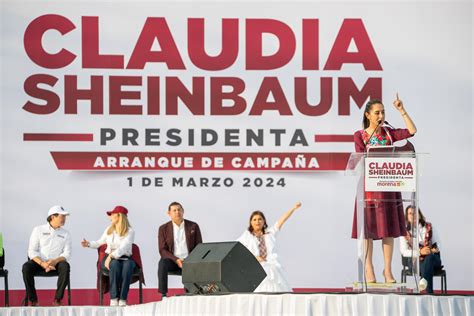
(386, 280)
(367, 280)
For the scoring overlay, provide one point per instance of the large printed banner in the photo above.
(219, 88)
(227, 108)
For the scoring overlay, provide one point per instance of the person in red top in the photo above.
(384, 219)
(176, 240)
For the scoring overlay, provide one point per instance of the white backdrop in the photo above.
(425, 51)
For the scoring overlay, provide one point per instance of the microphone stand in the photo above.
(380, 122)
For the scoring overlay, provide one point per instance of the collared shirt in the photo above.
(180, 246)
(49, 243)
(117, 246)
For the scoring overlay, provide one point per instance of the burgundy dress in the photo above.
(382, 218)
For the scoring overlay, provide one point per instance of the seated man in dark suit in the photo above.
(176, 239)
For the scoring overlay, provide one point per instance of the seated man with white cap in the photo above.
(49, 249)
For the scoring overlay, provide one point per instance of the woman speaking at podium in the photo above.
(384, 218)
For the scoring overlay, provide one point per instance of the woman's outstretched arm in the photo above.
(287, 215)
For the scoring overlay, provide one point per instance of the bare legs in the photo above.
(369, 266)
(387, 247)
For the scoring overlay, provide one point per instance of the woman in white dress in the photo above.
(262, 244)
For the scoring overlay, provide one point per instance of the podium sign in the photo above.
(386, 181)
(390, 174)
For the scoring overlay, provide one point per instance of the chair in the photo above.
(438, 272)
(104, 274)
(53, 273)
(4, 275)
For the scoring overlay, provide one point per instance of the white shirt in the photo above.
(250, 241)
(49, 243)
(117, 246)
(405, 249)
(180, 248)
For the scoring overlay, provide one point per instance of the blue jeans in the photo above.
(120, 275)
(427, 267)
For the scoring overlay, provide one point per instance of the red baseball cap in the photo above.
(118, 209)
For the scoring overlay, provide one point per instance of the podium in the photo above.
(387, 182)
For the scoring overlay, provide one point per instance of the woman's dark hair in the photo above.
(368, 107)
(421, 217)
(264, 221)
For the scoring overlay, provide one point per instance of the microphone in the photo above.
(390, 125)
(380, 122)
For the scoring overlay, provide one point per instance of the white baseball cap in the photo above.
(57, 210)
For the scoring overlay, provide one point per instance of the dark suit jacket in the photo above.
(166, 238)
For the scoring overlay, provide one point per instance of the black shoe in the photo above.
(56, 302)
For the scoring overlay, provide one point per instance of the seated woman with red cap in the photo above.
(119, 237)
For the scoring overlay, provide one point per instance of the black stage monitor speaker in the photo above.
(221, 267)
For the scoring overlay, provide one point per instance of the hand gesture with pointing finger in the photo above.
(398, 104)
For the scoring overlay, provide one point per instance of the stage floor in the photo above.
(274, 304)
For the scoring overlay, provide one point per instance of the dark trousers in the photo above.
(30, 268)
(120, 276)
(165, 266)
(427, 267)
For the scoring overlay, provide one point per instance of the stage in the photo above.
(275, 304)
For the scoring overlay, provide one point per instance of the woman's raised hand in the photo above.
(287, 214)
(398, 104)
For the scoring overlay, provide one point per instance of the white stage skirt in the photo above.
(273, 304)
